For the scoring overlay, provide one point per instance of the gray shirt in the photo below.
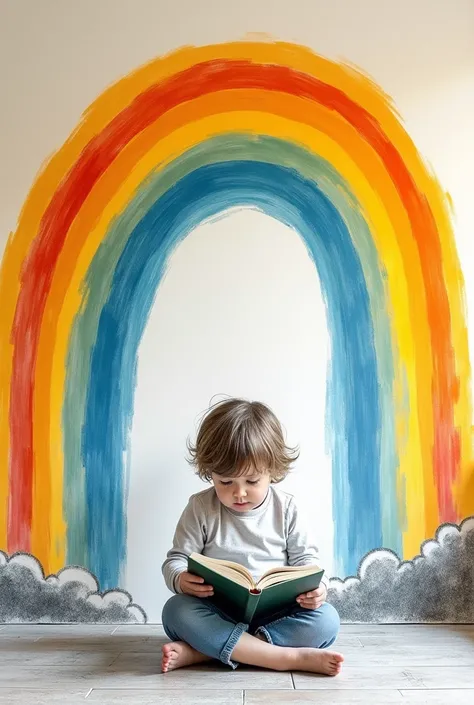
(267, 537)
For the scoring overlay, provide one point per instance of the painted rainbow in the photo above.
(311, 142)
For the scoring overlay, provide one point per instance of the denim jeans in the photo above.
(210, 631)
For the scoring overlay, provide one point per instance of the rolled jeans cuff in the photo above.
(226, 652)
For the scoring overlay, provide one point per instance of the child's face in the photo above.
(244, 492)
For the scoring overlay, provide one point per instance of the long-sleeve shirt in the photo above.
(269, 536)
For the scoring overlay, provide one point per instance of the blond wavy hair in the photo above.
(237, 436)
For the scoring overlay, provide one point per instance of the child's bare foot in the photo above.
(328, 663)
(178, 654)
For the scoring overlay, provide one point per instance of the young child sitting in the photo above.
(244, 518)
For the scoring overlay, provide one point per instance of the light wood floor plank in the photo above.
(171, 697)
(409, 655)
(360, 678)
(140, 676)
(324, 697)
(438, 697)
(361, 697)
(44, 696)
(449, 677)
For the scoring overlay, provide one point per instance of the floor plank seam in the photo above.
(116, 658)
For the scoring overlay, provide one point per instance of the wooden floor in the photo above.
(99, 664)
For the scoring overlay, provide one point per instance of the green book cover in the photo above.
(244, 604)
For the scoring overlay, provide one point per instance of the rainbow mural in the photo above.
(318, 146)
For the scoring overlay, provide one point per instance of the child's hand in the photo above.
(314, 599)
(193, 585)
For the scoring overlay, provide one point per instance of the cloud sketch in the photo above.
(71, 596)
(436, 586)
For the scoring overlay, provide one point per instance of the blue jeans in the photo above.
(210, 631)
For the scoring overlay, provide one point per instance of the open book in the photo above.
(245, 599)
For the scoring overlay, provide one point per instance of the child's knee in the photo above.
(176, 612)
(328, 624)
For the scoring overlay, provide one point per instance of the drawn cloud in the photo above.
(436, 586)
(71, 596)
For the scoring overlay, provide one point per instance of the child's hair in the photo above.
(236, 436)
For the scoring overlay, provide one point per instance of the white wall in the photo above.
(240, 311)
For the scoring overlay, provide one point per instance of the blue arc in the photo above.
(352, 393)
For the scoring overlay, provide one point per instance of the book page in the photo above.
(234, 571)
(285, 573)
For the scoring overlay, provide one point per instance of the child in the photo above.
(244, 518)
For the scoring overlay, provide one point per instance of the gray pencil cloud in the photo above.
(71, 596)
(436, 586)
